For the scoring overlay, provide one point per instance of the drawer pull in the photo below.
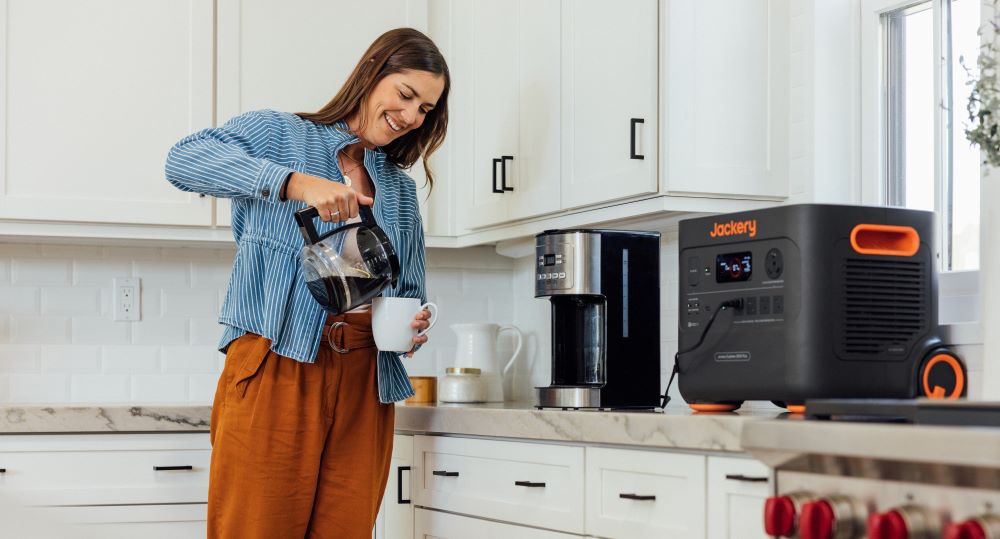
(746, 478)
(399, 483)
(528, 484)
(3, 470)
(639, 497)
(442, 473)
(171, 468)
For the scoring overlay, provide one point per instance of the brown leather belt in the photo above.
(348, 331)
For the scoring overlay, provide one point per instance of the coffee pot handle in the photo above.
(517, 348)
(305, 216)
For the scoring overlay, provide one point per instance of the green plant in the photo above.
(984, 99)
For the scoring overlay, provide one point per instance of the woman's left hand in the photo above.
(420, 323)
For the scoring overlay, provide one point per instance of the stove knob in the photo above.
(890, 525)
(781, 513)
(829, 518)
(969, 529)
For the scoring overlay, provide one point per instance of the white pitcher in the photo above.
(477, 349)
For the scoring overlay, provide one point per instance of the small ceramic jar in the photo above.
(461, 384)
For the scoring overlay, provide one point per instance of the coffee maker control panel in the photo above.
(554, 268)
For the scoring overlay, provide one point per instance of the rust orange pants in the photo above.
(299, 449)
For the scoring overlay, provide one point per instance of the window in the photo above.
(928, 51)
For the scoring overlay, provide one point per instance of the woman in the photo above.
(301, 434)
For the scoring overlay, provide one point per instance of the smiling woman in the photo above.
(302, 421)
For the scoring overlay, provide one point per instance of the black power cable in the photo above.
(735, 304)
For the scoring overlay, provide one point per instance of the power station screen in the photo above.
(733, 267)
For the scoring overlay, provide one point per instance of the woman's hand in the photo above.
(335, 201)
(419, 323)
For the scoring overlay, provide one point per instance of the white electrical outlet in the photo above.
(126, 298)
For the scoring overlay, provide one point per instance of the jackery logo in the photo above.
(734, 228)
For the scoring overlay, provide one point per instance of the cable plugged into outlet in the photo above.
(126, 299)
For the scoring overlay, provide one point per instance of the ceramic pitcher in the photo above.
(477, 349)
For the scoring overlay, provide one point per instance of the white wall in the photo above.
(58, 343)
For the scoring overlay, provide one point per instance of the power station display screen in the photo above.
(733, 267)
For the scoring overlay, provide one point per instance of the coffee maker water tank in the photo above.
(603, 287)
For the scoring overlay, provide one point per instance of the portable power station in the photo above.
(811, 301)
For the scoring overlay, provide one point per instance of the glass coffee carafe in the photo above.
(348, 266)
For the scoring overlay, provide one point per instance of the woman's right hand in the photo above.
(334, 201)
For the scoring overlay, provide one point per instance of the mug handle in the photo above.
(516, 348)
(433, 308)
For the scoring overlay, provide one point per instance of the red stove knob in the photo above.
(969, 529)
(889, 525)
(779, 516)
(817, 520)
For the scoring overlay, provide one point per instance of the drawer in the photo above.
(737, 490)
(526, 483)
(103, 470)
(430, 524)
(180, 521)
(636, 494)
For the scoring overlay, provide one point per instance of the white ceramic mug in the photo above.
(391, 318)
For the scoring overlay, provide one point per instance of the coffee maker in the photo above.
(604, 288)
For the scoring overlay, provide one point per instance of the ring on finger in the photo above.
(333, 214)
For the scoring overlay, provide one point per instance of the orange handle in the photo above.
(887, 240)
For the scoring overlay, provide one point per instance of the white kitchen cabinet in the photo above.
(175, 521)
(737, 490)
(505, 152)
(437, 525)
(726, 93)
(533, 484)
(637, 494)
(395, 517)
(92, 95)
(609, 101)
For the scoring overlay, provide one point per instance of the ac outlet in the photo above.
(126, 299)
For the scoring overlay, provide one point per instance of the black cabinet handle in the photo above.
(632, 154)
(442, 473)
(639, 497)
(528, 484)
(3, 470)
(399, 483)
(169, 468)
(747, 478)
(495, 188)
(503, 171)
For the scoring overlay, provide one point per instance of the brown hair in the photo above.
(393, 52)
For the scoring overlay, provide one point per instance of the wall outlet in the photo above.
(126, 298)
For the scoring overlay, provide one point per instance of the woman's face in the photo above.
(398, 104)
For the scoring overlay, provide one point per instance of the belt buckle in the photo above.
(329, 338)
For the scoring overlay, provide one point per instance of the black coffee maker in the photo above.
(604, 287)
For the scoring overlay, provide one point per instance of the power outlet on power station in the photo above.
(126, 299)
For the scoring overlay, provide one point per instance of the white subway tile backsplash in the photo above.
(15, 300)
(206, 331)
(100, 388)
(163, 273)
(162, 331)
(4, 328)
(100, 272)
(202, 388)
(159, 388)
(19, 359)
(30, 329)
(190, 359)
(103, 330)
(78, 300)
(211, 274)
(4, 388)
(70, 252)
(130, 359)
(187, 302)
(39, 271)
(4, 271)
(39, 388)
(70, 359)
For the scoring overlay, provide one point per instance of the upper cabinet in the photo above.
(92, 95)
(726, 93)
(609, 73)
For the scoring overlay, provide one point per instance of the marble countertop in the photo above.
(62, 418)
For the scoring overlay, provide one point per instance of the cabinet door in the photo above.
(610, 81)
(737, 490)
(395, 518)
(437, 525)
(726, 93)
(92, 95)
(645, 494)
(128, 521)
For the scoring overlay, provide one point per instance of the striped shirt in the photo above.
(247, 160)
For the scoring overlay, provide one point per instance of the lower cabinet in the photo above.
(737, 490)
(109, 485)
(395, 516)
(438, 525)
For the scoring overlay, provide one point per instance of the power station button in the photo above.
(774, 263)
(692, 270)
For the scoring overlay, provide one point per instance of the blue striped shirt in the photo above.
(247, 160)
